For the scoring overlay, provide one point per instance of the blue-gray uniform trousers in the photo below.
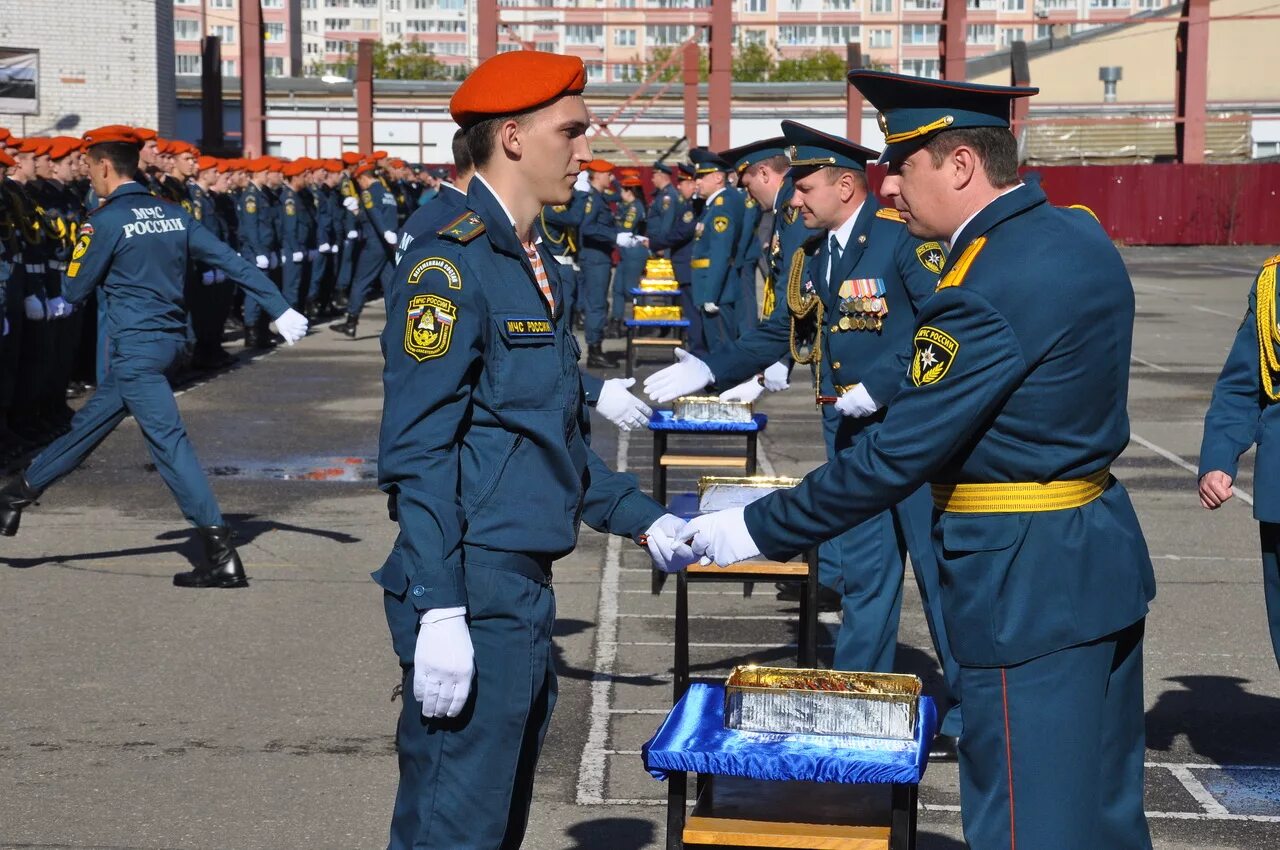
(454, 769)
(135, 383)
(627, 277)
(594, 282)
(1270, 533)
(294, 278)
(748, 306)
(372, 266)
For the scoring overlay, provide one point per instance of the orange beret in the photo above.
(599, 165)
(293, 169)
(350, 158)
(4, 133)
(7, 160)
(333, 165)
(34, 145)
(178, 146)
(63, 146)
(516, 82)
(632, 181)
(204, 163)
(144, 134)
(363, 169)
(379, 155)
(111, 133)
(256, 165)
(162, 145)
(396, 163)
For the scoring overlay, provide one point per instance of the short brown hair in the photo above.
(834, 173)
(995, 146)
(122, 156)
(462, 161)
(778, 164)
(481, 136)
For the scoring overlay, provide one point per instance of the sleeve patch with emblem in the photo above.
(720, 223)
(81, 247)
(935, 351)
(719, 201)
(439, 264)
(250, 205)
(290, 208)
(428, 326)
(688, 216)
(931, 256)
(666, 202)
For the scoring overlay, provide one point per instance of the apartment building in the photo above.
(616, 38)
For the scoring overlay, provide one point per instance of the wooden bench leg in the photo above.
(902, 833)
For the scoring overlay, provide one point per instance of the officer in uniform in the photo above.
(675, 240)
(449, 201)
(1244, 411)
(599, 234)
(136, 249)
(630, 218)
(349, 226)
(715, 286)
(483, 417)
(748, 255)
(378, 240)
(1013, 409)
(665, 198)
(852, 311)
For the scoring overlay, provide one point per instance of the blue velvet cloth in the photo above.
(685, 505)
(665, 420)
(693, 739)
(672, 293)
(657, 323)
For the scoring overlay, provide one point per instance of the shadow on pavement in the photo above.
(933, 841)
(566, 628)
(614, 833)
(1220, 720)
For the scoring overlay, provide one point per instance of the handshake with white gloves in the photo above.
(721, 538)
(627, 239)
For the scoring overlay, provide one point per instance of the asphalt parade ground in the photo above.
(139, 716)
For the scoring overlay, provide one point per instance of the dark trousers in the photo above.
(210, 304)
(254, 315)
(346, 265)
(371, 265)
(748, 308)
(1053, 748)
(1270, 533)
(595, 295)
(316, 293)
(136, 384)
(294, 277)
(466, 783)
(626, 278)
(697, 341)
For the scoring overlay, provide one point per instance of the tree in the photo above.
(821, 65)
(675, 71)
(752, 63)
(399, 61)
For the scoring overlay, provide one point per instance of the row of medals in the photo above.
(863, 304)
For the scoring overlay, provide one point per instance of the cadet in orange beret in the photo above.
(377, 223)
(483, 418)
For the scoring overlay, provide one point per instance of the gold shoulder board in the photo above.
(891, 214)
(955, 277)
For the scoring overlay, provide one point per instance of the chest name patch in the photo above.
(935, 351)
(517, 328)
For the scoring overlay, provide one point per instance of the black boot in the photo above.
(597, 359)
(347, 327)
(222, 567)
(614, 330)
(13, 498)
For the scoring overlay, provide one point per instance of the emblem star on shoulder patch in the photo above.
(428, 326)
(688, 216)
(931, 256)
(935, 351)
(720, 224)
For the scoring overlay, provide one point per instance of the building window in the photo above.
(792, 36)
(311, 25)
(274, 31)
(882, 7)
(273, 4)
(335, 45)
(308, 4)
(982, 5)
(921, 67)
(920, 34)
(227, 35)
(393, 5)
(1108, 4)
(626, 73)
(755, 7)
(665, 33)
(982, 34)
(595, 70)
(393, 28)
(337, 24)
(1151, 4)
(508, 47)
(187, 63)
(311, 48)
(624, 4)
(585, 34)
(753, 37)
(221, 4)
(842, 34)
(921, 5)
(837, 5)
(881, 39)
(624, 38)
(545, 46)
(1015, 5)
(1009, 35)
(1261, 149)
(186, 29)
(228, 67)
(273, 66)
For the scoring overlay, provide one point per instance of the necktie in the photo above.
(835, 257)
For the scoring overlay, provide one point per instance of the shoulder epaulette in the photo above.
(463, 229)
(1086, 209)
(891, 214)
(955, 277)
(1271, 261)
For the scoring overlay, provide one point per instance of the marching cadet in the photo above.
(298, 234)
(715, 287)
(316, 196)
(599, 234)
(851, 314)
(12, 316)
(137, 249)
(210, 300)
(1244, 412)
(349, 226)
(1013, 409)
(483, 417)
(447, 204)
(63, 213)
(630, 218)
(258, 244)
(378, 241)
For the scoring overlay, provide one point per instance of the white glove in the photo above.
(209, 278)
(219, 276)
(583, 183)
(857, 402)
(33, 306)
(352, 234)
(390, 236)
(710, 308)
(625, 239)
(274, 259)
(351, 204)
(59, 308)
(443, 662)
(291, 325)
(748, 391)
(721, 538)
(297, 256)
(621, 407)
(333, 249)
(777, 377)
(687, 375)
(665, 540)
(261, 261)
(313, 254)
(323, 248)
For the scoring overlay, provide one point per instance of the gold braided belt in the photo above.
(1020, 498)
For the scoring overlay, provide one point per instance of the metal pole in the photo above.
(486, 29)
(691, 94)
(951, 39)
(364, 95)
(720, 88)
(1019, 75)
(1192, 63)
(253, 93)
(211, 95)
(853, 97)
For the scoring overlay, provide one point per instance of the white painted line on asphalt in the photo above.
(1201, 794)
(1235, 317)
(782, 618)
(591, 770)
(756, 646)
(1241, 493)
(622, 752)
(637, 802)
(1136, 359)
(1235, 270)
(950, 807)
(1195, 765)
(662, 711)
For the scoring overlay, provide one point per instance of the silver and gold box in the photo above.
(709, 408)
(822, 702)
(717, 493)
